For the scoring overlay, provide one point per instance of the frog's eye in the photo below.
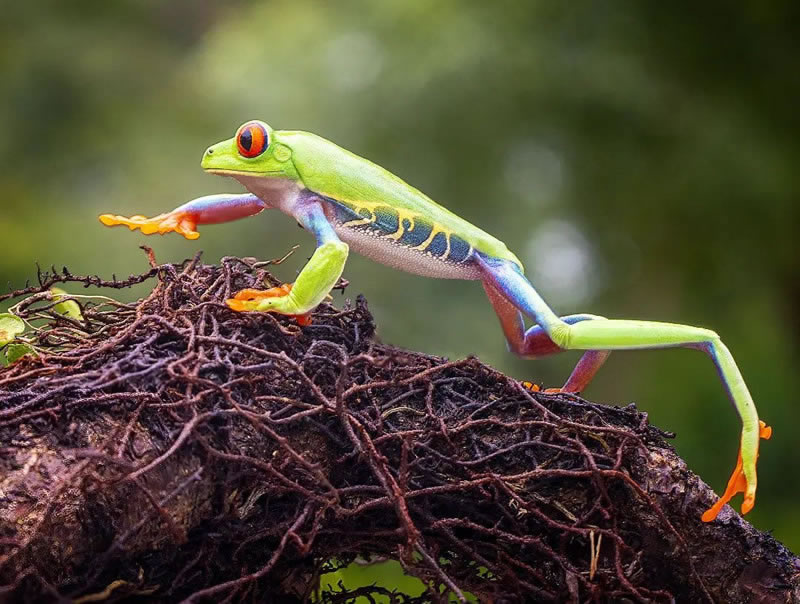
(252, 139)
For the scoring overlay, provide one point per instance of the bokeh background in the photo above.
(641, 157)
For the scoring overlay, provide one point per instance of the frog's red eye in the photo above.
(252, 139)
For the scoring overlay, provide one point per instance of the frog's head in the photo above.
(254, 152)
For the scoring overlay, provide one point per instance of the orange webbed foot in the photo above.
(172, 222)
(737, 483)
(248, 299)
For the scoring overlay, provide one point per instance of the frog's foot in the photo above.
(251, 299)
(738, 483)
(177, 221)
(536, 388)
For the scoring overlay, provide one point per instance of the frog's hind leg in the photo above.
(535, 342)
(602, 335)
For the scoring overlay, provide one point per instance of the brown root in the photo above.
(173, 449)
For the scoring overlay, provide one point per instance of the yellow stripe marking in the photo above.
(402, 215)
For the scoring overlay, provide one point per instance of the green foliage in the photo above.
(10, 327)
(68, 308)
(387, 573)
(17, 350)
(10, 348)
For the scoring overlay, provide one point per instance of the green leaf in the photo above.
(68, 308)
(17, 350)
(10, 327)
(388, 574)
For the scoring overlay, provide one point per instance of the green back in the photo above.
(329, 170)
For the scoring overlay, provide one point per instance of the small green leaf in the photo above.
(17, 350)
(10, 327)
(68, 308)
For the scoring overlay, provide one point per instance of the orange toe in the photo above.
(536, 388)
(248, 294)
(260, 294)
(236, 305)
(187, 227)
(132, 222)
(736, 484)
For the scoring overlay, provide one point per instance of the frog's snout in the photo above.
(208, 158)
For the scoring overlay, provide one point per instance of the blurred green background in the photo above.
(641, 158)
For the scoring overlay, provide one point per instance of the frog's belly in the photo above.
(375, 245)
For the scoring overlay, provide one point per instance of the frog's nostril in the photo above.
(209, 151)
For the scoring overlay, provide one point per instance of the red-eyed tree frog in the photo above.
(348, 202)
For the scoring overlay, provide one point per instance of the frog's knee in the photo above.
(710, 341)
(561, 334)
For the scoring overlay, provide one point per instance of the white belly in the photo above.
(371, 244)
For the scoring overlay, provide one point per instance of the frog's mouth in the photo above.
(226, 172)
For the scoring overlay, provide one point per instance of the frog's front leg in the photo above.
(210, 209)
(314, 282)
(507, 281)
